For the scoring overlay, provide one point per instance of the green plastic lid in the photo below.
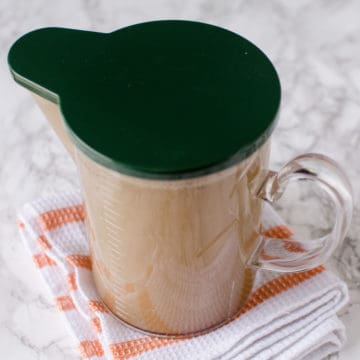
(164, 99)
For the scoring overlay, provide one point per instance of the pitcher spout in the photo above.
(38, 62)
(53, 114)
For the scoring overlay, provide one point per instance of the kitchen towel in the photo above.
(287, 316)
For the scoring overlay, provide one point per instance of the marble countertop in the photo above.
(315, 46)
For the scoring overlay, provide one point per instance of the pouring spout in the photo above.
(41, 62)
(53, 115)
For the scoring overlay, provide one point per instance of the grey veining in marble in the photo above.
(315, 45)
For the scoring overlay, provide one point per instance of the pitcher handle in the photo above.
(291, 254)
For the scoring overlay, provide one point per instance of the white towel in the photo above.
(288, 316)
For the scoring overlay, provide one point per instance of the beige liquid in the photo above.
(169, 256)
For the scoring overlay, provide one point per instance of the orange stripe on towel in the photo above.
(278, 232)
(77, 260)
(20, 224)
(42, 260)
(98, 306)
(294, 247)
(89, 349)
(282, 232)
(44, 242)
(65, 303)
(54, 218)
(127, 349)
(71, 282)
(265, 256)
(96, 323)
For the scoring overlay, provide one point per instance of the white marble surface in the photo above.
(315, 46)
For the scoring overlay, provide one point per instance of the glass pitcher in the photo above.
(169, 123)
